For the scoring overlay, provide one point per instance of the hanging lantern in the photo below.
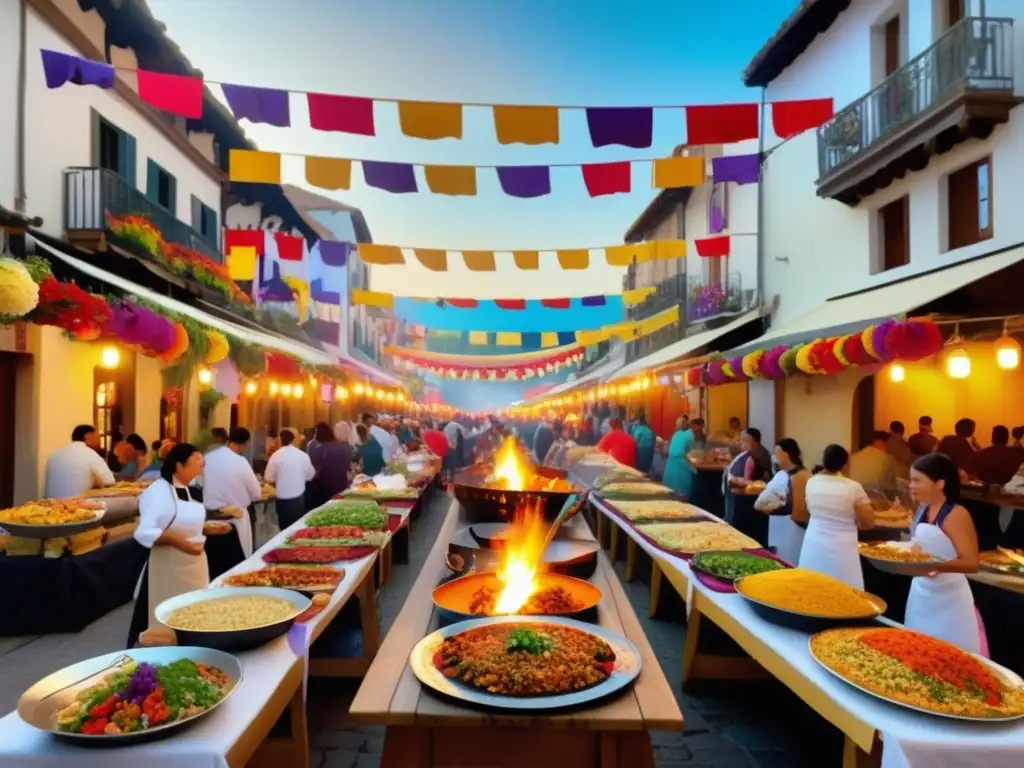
(958, 363)
(1007, 352)
(896, 373)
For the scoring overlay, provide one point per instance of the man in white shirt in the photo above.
(455, 433)
(228, 481)
(289, 469)
(388, 442)
(77, 467)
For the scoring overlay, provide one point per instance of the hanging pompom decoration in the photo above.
(714, 374)
(752, 364)
(874, 340)
(736, 369)
(178, 347)
(693, 377)
(787, 361)
(854, 351)
(216, 346)
(837, 350)
(913, 340)
(804, 363)
(769, 366)
(19, 293)
(823, 358)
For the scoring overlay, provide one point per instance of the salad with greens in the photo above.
(357, 513)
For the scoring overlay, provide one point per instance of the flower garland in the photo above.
(68, 307)
(19, 293)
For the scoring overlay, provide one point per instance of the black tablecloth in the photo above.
(46, 595)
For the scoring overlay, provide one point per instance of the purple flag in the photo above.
(742, 169)
(61, 68)
(318, 293)
(592, 301)
(628, 126)
(391, 177)
(334, 253)
(259, 105)
(525, 180)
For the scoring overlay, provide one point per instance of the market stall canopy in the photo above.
(302, 351)
(603, 371)
(680, 349)
(850, 313)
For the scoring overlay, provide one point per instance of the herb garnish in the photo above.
(528, 641)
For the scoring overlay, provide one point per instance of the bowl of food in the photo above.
(899, 557)
(476, 595)
(231, 618)
(563, 554)
(126, 697)
(49, 518)
(301, 578)
(807, 600)
(730, 566)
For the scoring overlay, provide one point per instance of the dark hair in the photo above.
(1018, 433)
(82, 431)
(698, 422)
(367, 416)
(639, 415)
(219, 433)
(324, 433)
(1000, 435)
(896, 427)
(287, 437)
(791, 448)
(817, 469)
(964, 427)
(155, 445)
(239, 436)
(924, 421)
(835, 458)
(878, 436)
(615, 423)
(938, 466)
(136, 442)
(179, 454)
(754, 433)
(363, 432)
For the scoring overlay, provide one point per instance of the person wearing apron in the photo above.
(753, 464)
(788, 519)
(941, 603)
(171, 527)
(838, 507)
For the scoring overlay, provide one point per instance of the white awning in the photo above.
(683, 347)
(852, 312)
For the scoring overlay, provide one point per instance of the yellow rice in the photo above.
(801, 591)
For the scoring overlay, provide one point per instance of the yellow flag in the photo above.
(659, 321)
(549, 339)
(479, 261)
(589, 338)
(242, 263)
(254, 167)
(625, 331)
(380, 254)
(329, 172)
(526, 259)
(526, 125)
(575, 258)
(508, 339)
(637, 295)
(672, 172)
(451, 179)
(478, 338)
(669, 249)
(301, 289)
(625, 255)
(430, 120)
(372, 298)
(432, 259)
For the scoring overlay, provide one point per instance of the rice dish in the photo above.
(801, 591)
(225, 614)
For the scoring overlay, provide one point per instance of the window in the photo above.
(161, 187)
(894, 221)
(892, 45)
(969, 204)
(204, 221)
(954, 11)
(112, 148)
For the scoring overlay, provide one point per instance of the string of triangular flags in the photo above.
(513, 124)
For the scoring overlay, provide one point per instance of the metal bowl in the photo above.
(565, 555)
(60, 529)
(231, 639)
(39, 705)
(496, 505)
(810, 622)
(452, 599)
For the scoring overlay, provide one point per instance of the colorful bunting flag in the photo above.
(790, 118)
(515, 304)
(60, 68)
(607, 178)
(334, 253)
(372, 298)
(258, 105)
(241, 263)
(575, 258)
(289, 247)
(525, 180)
(593, 301)
(244, 238)
(526, 125)
(462, 303)
(433, 259)
(637, 295)
(248, 165)
(478, 338)
(526, 259)
(671, 172)
(430, 120)
(346, 114)
(663, 250)
(371, 253)
(741, 169)
(451, 179)
(712, 246)
(721, 124)
(556, 303)
(397, 178)
(626, 126)
(479, 261)
(329, 172)
(508, 339)
(177, 94)
(549, 339)
(628, 254)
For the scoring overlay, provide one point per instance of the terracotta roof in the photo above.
(811, 18)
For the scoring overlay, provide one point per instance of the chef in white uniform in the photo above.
(941, 603)
(838, 508)
(229, 481)
(171, 528)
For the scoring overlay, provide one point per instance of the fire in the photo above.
(524, 556)
(510, 468)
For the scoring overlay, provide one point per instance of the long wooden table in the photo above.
(425, 730)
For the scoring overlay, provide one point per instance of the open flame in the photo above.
(524, 556)
(510, 468)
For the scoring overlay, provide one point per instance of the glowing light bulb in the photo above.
(1007, 353)
(274, 387)
(205, 375)
(380, 394)
(958, 364)
(358, 389)
(896, 372)
(286, 390)
(110, 357)
(250, 388)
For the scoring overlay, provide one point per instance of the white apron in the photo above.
(830, 547)
(786, 537)
(243, 526)
(942, 606)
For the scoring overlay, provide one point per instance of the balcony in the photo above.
(959, 88)
(707, 300)
(91, 193)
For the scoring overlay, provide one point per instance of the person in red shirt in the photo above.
(436, 441)
(619, 444)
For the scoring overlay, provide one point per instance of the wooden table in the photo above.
(425, 730)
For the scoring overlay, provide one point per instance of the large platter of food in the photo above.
(691, 537)
(120, 489)
(518, 663)
(301, 578)
(122, 698)
(897, 557)
(358, 513)
(920, 672)
(338, 536)
(477, 595)
(621, 490)
(620, 474)
(231, 618)
(317, 554)
(807, 600)
(1008, 562)
(47, 518)
(661, 510)
(383, 494)
(729, 566)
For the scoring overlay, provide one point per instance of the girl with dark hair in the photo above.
(941, 603)
(171, 526)
(784, 499)
(838, 507)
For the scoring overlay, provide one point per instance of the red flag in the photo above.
(289, 247)
(606, 178)
(176, 94)
(556, 303)
(462, 303)
(721, 124)
(244, 238)
(712, 246)
(510, 303)
(348, 114)
(790, 118)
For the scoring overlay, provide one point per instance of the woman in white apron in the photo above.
(784, 499)
(171, 527)
(838, 507)
(941, 603)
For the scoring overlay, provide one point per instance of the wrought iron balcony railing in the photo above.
(90, 193)
(975, 54)
(706, 300)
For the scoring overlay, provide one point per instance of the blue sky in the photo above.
(554, 52)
